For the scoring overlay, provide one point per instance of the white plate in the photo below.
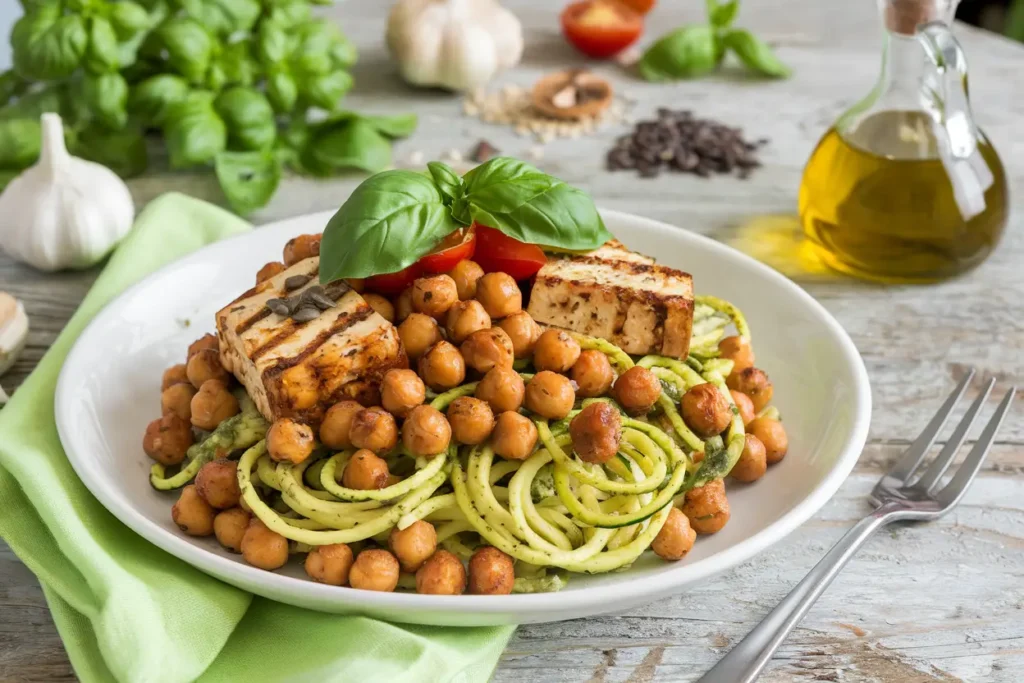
(109, 389)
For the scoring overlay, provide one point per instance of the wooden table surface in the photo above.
(943, 602)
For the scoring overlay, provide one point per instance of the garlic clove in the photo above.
(13, 330)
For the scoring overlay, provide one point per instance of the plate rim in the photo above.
(494, 608)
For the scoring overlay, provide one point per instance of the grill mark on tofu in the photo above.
(344, 321)
(624, 294)
(277, 284)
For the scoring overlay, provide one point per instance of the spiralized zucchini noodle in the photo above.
(551, 511)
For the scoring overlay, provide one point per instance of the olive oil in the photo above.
(887, 200)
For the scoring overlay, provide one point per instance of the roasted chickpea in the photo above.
(177, 399)
(301, 247)
(549, 395)
(523, 330)
(168, 439)
(217, 483)
(499, 294)
(772, 435)
(706, 507)
(502, 388)
(596, 432)
(490, 572)
(337, 424)
(268, 271)
(290, 441)
(403, 305)
(465, 318)
(418, 333)
(705, 410)
(374, 429)
(374, 570)
(365, 471)
(413, 544)
(737, 349)
(203, 365)
(466, 274)
(401, 390)
(207, 341)
(442, 367)
(262, 547)
(434, 295)
(514, 436)
(229, 527)
(486, 349)
(744, 405)
(753, 461)
(329, 564)
(426, 432)
(676, 538)
(176, 374)
(555, 350)
(192, 514)
(754, 383)
(213, 404)
(592, 373)
(636, 390)
(384, 308)
(442, 574)
(471, 420)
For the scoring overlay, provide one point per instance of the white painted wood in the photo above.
(943, 602)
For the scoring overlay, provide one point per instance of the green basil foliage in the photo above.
(395, 217)
(697, 50)
(226, 84)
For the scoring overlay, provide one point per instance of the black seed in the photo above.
(296, 281)
(279, 306)
(305, 314)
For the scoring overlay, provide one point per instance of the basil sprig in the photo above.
(396, 217)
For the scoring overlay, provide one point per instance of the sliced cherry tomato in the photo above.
(601, 28)
(394, 283)
(496, 252)
(458, 246)
(641, 6)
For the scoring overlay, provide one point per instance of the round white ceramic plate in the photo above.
(109, 390)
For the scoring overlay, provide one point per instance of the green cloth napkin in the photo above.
(127, 610)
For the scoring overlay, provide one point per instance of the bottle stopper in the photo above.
(904, 16)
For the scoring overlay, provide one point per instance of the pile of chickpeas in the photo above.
(461, 326)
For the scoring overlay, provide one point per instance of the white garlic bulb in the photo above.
(63, 212)
(13, 333)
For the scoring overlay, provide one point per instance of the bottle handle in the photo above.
(945, 53)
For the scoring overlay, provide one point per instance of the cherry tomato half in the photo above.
(641, 6)
(601, 28)
(496, 251)
(394, 283)
(458, 246)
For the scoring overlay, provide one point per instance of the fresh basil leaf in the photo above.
(288, 13)
(128, 18)
(296, 134)
(122, 151)
(11, 85)
(756, 54)
(188, 46)
(531, 206)
(248, 179)
(249, 118)
(684, 53)
(723, 15)
(215, 77)
(223, 17)
(352, 144)
(194, 133)
(271, 43)
(448, 181)
(102, 53)
(398, 126)
(343, 52)
(282, 91)
(389, 221)
(107, 97)
(314, 41)
(151, 99)
(326, 91)
(6, 176)
(238, 64)
(35, 104)
(47, 46)
(20, 140)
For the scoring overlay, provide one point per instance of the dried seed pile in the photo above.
(305, 306)
(677, 141)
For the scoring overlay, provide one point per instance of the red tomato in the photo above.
(496, 251)
(641, 6)
(458, 246)
(394, 283)
(601, 28)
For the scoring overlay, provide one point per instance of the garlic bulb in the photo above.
(13, 333)
(455, 44)
(63, 212)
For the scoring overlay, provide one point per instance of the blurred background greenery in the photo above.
(1000, 16)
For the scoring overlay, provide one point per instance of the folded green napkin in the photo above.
(127, 610)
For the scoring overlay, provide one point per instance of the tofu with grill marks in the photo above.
(299, 370)
(617, 295)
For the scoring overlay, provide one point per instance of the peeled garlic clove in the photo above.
(13, 330)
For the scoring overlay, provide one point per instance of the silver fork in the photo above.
(899, 495)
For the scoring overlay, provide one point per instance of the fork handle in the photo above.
(743, 664)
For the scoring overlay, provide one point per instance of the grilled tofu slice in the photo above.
(299, 370)
(618, 295)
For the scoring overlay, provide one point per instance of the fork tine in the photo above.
(952, 492)
(915, 453)
(938, 466)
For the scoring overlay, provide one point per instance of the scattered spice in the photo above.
(483, 151)
(677, 141)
